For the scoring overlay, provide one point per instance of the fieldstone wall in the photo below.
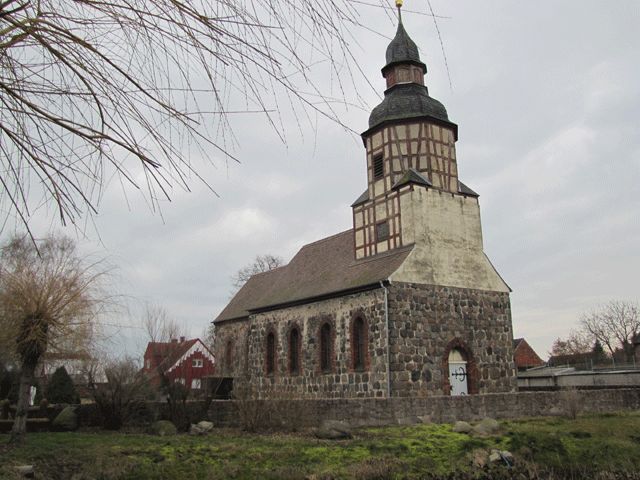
(427, 322)
(231, 348)
(437, 409)
(342, 380)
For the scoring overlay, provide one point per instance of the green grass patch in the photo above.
(587, 444)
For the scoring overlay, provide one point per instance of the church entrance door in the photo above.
(457, 373)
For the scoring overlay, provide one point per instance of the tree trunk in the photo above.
(19, 429)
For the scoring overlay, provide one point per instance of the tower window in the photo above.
(382, 231)
(378, 167)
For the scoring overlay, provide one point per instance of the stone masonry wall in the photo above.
(342, 380)
(427, 321)
(231, 347)
(438, 409)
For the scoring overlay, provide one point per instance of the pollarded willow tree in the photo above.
(92, 89)
(49, 299)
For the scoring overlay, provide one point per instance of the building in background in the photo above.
(525, 356)
(187, 362)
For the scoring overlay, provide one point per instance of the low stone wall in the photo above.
(440, 409)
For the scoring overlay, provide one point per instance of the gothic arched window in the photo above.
(359, 344)
(294, 351)
(326, 348)
(271, 354)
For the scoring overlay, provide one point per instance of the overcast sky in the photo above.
(547, 98)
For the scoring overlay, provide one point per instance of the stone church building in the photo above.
(405, 303)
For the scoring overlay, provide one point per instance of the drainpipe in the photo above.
(386, 319)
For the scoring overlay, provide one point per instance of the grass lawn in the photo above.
(570, 448)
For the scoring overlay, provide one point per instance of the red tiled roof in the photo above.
(320, 268)
(524, 355)
(167, 353)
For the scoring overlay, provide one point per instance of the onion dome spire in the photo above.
(402, 49)
(406, 96)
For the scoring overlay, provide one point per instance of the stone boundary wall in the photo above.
(438, 409)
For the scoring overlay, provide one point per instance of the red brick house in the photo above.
(524, 356)
(183, 361)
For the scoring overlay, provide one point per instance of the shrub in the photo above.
(176, 396)
(571, 403)
(61, 388)
(123, 394)
(271, 410)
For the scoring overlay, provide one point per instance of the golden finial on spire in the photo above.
(399, 5)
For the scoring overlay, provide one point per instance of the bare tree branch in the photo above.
(262, 263)
(615, 325)
(89, 88)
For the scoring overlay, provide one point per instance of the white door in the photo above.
(457, 373)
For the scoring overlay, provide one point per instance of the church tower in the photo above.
(414, 195)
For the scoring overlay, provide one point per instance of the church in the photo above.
(403, 304)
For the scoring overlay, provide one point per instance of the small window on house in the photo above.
(181, 381)
(197, 363)
(378, 167)
(382, 231)
(271, 354)
(326, 349)
(358, 346)
(294, 352)
(148, 363)
(196, 384)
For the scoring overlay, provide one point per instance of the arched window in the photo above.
(228, 355)
(294, 352)
(271, 353)
(359, 344)
(326, 348)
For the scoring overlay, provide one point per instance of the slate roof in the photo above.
(411, 176)
(362, 198)
(320, 269)
(403, 50)
(407, 100)
(462, 188)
